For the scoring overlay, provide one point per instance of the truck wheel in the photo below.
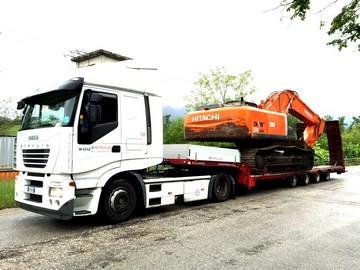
(221, 187)
(118, 201)
(306, 179)
(316, 177)
(293, 181)
(325, 176)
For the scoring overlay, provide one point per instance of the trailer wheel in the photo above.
(118, 201)
(306, 179)
(221, 187)
(325, 176)
(293, 181)
(316, 177)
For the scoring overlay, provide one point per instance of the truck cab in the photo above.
(76, 136)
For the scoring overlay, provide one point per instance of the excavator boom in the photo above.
(288, 101)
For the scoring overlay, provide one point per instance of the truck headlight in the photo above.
(55, 192)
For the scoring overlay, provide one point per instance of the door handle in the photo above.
(116, 149)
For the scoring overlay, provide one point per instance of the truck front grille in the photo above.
(35, 158)
(14, 154)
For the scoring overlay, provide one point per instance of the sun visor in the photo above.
(62, 89)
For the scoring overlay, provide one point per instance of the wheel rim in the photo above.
(119, 201)
(307, 179)
(293, 181)
(221, 187)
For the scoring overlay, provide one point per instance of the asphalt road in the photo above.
(274, 227)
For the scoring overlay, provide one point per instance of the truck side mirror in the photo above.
(20, 105)
(94, 113)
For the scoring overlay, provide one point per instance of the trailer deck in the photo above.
(196, 157)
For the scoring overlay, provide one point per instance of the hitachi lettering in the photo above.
(208, 117)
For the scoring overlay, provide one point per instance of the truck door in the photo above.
(98, 133)
(133, 131)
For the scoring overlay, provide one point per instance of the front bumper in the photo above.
(63, 213)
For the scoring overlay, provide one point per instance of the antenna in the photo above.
(75, 53)
(140, 68)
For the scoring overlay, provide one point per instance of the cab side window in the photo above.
(98, 116)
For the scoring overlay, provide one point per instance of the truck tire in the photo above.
(325, 176)
(221, 187)
(293, 180)
(118, 201)
(306, 179)
(316, 177)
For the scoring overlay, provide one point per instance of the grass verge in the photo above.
(7, 188)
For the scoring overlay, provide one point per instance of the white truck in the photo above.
(85, 148)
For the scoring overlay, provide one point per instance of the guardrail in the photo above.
(348, 162)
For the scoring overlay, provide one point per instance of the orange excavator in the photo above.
(260, 132)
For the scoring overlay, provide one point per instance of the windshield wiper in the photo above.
(46, 125)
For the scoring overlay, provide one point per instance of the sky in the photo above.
(182, 39)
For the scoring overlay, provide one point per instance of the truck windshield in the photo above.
(55, 108)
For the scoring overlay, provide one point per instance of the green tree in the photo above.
(344, 27)
(9, 119)
(328, 118)
(355, 122)
(173, 130)
(321, 153)
(292, 121)
(218, 86)
(351, 139)
(321, 147)
(342, 123)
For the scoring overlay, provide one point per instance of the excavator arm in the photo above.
(289, 102)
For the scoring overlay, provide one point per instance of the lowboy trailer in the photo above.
(202, 158)
(85, 148)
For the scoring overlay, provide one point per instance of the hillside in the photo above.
(174, 112)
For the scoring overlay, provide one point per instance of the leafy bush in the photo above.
(7, 188)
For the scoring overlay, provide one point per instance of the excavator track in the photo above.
(277, 159)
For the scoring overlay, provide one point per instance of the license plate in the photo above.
(31, 190)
